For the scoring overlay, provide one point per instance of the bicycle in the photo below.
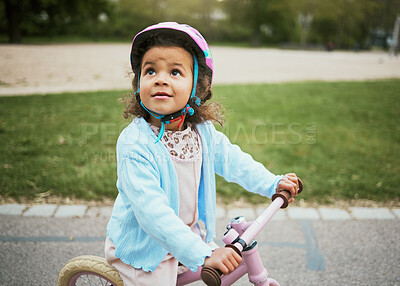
(88, 269)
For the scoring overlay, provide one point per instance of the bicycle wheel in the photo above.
(88, 270)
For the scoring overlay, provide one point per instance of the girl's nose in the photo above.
(161, 79)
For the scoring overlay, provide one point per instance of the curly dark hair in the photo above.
(206, 111)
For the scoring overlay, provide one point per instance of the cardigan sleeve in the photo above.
(141, 189)
(236, 166)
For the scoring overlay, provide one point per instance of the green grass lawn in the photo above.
(341, 138)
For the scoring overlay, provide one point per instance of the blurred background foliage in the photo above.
(344, 24)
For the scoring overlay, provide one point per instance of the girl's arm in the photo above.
(239, 167)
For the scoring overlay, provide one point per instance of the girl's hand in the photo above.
(289, 182)
(224, 259)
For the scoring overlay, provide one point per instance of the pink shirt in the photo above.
(185, 150)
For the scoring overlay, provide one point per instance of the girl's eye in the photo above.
(175, 73)
(150, 71)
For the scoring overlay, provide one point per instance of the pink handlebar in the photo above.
(212, 276)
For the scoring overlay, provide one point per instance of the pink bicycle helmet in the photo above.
(198, 42)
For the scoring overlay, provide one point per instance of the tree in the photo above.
(93, 10)
(14, 12)
(348, 23)
(46, 17)
(257, 18)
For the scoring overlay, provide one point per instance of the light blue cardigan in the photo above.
(144, 225)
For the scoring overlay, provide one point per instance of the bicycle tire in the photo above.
(88, 265)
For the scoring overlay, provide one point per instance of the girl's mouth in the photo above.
(161, 95)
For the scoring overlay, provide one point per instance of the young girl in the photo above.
(167, 159)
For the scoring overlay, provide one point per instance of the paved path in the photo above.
(28, 69)
(300, 246)
(296, 247)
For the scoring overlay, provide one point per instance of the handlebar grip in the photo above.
(211, 276)
(285, 195)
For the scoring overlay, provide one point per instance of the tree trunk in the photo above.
(13, 13)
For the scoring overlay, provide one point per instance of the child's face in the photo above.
(166, 79)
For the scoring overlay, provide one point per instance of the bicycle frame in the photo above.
(240, 234)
